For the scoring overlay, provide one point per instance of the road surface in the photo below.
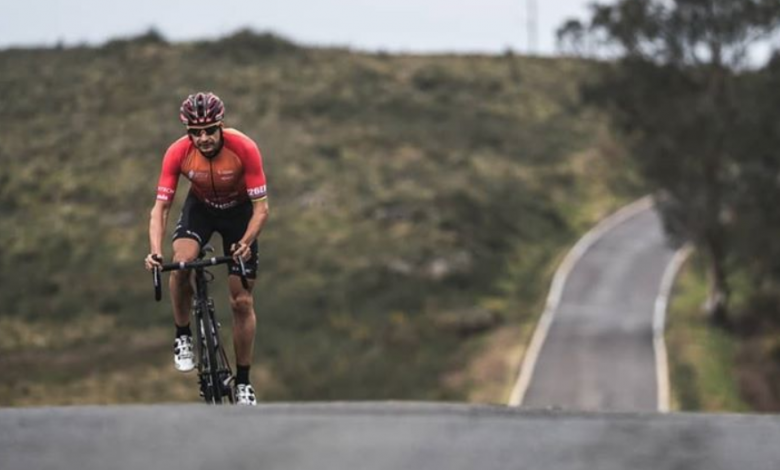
(598, 353)
(379, 436)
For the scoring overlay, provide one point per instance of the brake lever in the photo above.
(241, 264)
(156, 279)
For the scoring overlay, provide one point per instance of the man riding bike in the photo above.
(227, 195)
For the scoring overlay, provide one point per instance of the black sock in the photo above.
(183, 330)
(242, 375)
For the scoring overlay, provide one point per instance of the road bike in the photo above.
(215, 377)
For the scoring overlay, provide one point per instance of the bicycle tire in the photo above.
(205, 389)
(212, 360)
(226, 375)
(223, 372)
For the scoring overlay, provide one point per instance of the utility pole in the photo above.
(532, 19)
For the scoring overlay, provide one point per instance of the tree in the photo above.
(755, 203)
(675, 91)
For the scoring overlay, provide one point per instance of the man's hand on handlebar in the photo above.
(153, 260)
(240, 250)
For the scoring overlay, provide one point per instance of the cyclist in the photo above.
(227, 195)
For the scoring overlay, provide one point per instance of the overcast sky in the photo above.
(390, 25)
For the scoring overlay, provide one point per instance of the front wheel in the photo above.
(210, 377)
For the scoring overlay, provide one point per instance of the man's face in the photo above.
(207, 139)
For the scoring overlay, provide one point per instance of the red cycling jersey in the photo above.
(233, 176)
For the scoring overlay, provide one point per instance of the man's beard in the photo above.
(215, 149)
(210, 154)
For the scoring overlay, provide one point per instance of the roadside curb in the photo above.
(659, 326)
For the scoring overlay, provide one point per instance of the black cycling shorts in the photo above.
(199, 221)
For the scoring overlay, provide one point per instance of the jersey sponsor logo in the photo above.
(164, 190)
(163, 197)
(193, 175)
(226, 175)
(256, 192)
(226, 205)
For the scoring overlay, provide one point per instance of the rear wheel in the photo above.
(225, 374)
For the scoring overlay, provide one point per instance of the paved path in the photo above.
(598, 353)
(379, 436)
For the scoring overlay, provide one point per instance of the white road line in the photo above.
(659, 325)
(556, 290)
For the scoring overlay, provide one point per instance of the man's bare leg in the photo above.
(181, 297)
(184, 250)
(244, 320)
(244, 326)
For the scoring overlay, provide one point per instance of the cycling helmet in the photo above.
(202, 109)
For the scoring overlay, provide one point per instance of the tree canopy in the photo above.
(684, 90)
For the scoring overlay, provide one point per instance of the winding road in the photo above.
(599, 351)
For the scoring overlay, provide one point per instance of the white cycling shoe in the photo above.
(183, 357)
(245, 395)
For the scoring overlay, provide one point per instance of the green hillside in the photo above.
(419, 205)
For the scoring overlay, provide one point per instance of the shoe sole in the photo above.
(184, 369)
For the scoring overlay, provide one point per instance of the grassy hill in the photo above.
(419, 206)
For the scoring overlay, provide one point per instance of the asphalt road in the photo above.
(379, 436)
(598, 353)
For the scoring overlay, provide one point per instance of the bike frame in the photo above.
(214, 373)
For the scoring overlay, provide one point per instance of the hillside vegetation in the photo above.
(418, 207)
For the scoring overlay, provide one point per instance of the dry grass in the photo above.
(115, 366)
(490, 374)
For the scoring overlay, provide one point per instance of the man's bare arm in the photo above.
(158, 220)
(253, 229)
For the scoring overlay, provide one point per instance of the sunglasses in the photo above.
(208, 130)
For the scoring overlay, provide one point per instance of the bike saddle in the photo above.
(206, 249)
